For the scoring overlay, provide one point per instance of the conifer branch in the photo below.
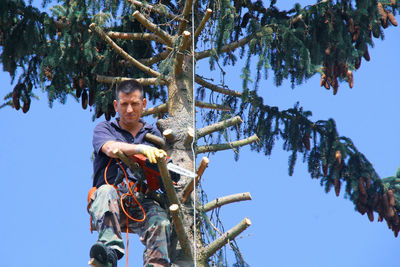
(215, 88)
(226, 48)
(186, 11)
(135, 36)
(218, 202)
(203, 22)
(182, 48)
(155, 59)
(153, 28)
(142, 81)
(190, 185)
(167, 182)
(163, 108)
(158, 141)
(180, 230)
(201, 104)
(218, 147)
(224, 239)
(154, 9)
(120, 51)
(218, 126)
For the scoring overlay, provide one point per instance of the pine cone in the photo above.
(350, 80)
(392, 19)
(366, 55)
(15, 99)
(99, 112)
(380, 218)
(328, 50)
(356, 33)
(391, 198)
(323, 80)
(48, 73)
(368, 182)
(385, 202)
(350, 25)
(306, 141)
(81, 83)
(361, 208)
(382, 11)
(361, 187)
(357, 64)
(335, 86)
(107, 115)
(337, 186)
(338, 157)
(92, 97)
(84, 99)
(370, 215)
(27, 104)
(245, 20)
(325, 169)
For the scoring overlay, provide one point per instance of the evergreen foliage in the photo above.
(57, 52)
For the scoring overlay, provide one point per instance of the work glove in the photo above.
(151, 152)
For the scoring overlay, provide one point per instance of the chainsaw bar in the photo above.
(182, 171)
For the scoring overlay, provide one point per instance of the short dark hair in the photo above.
(128, 87)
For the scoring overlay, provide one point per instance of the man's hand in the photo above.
(151, 152)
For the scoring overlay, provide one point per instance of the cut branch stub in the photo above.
(218, 147)
(189, 137)
(185, 15)
(169, 135)
(218, 126)
(203, 22)
(222, 240)
(122, 52)
(154, 139)
(180, 231)
(190, 185)
(163, 108)
(182, 48)
(166, 179)
(218, 202)
(153, 28)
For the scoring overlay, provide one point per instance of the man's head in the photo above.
(129, 102)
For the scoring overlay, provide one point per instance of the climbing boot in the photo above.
(102, 256)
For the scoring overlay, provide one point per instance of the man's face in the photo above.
(130, 107)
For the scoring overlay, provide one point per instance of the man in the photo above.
(125, 134)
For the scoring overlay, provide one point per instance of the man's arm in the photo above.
(111, 148)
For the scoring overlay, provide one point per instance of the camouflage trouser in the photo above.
(154, 232)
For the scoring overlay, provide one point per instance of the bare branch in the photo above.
(226, 200)
(185, 16)
(155, 59)
(201, 104)
(153, 28)
(180, 230)
(163, 108)
(190, 185)
(135, 36)
(203, 22)
(222, 240)
(232, 46)
(218, 147)
(142, 81)
(159, 141)
(120, 51)
(218, 126)
(215, 88)
(182, 48)
(169, 187)
(154, 9)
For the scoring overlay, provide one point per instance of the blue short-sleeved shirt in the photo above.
(111, 131)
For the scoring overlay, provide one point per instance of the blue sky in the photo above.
(46, 172)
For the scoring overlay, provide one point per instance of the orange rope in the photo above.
(130, 193)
